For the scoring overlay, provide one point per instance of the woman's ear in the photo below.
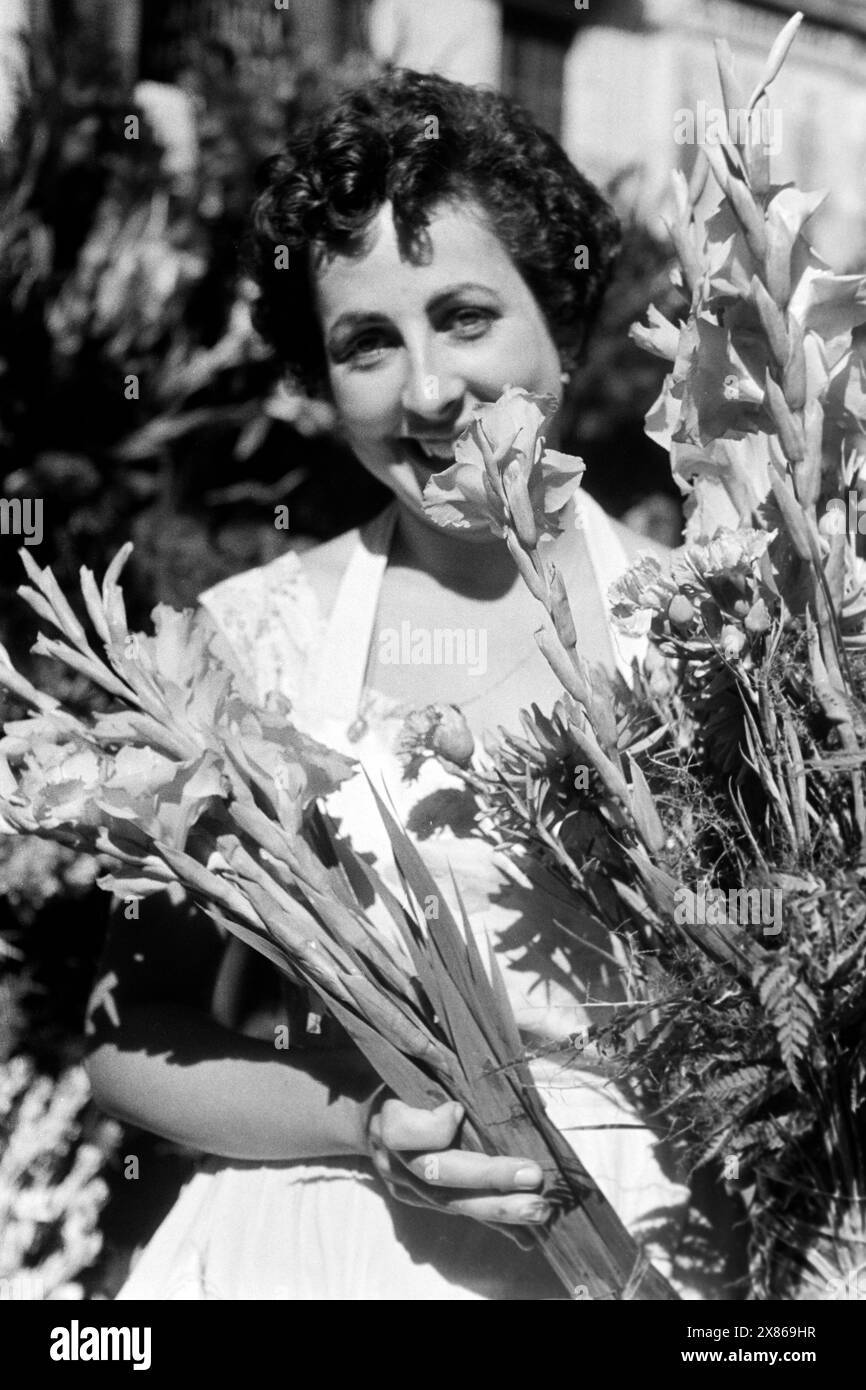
(567, 363)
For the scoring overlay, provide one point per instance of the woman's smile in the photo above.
(415, 345)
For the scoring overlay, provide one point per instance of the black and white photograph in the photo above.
(433, 661)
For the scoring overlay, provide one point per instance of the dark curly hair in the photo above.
(373, 144)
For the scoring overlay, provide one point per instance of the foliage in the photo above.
(51, 1193)
(114, 265)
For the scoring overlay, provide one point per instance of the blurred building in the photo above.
(609, 77)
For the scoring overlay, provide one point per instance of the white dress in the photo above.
(328, 1229)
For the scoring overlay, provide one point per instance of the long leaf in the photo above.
(407, 1080)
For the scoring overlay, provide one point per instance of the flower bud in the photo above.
(732, 94)
(717, 162)
(772, 322)
(452, 738)
(519, 505)
(733, 641)
(788, 427)
(794, 378)
(681, 612)
(792, 514)
(690, 262)
(562, 666)
(560, 610)
(750, 217)
(758, 617)
(778, 262)
(807, 473)
(489, 459)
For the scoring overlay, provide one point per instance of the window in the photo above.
(533, 62)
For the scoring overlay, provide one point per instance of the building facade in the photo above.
(611, 78)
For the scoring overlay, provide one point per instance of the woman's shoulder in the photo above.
(612, 544)
(268, 619)
(325, 564)
(635, 544)
(296, 576)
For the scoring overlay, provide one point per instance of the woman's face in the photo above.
(413, 349)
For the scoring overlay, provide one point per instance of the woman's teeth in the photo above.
(440, 452)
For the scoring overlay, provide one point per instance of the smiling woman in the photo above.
(406, 377)
(431, 232)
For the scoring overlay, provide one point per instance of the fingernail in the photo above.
(536, 1211)
(448, 1107)
(530, 1176)
(458, 1110)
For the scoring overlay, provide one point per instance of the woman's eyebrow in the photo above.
(353, 317)
(465, 286)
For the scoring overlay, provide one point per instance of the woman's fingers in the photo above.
(411, 1153)
(427, 1134)
(512, 1231)
(407, 1129)
(500, 1209)
(479, 1172)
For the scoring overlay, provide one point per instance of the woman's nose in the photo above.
(430, 389)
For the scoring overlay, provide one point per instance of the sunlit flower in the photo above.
(440, 730)
(727, 552)
(503, 475)
(711, 414)
(643, 591)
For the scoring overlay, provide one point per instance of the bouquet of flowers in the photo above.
(713, 813)
(184, 783)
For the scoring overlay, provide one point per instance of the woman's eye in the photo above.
(470, 323)
(365, 351)
(368, 349)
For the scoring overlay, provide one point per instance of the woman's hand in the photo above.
(411, 1151)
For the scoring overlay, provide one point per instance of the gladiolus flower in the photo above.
(503, 477)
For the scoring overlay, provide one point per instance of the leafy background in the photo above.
(114, 263)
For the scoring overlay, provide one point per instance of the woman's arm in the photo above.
(175, 1072)
(158, 1060)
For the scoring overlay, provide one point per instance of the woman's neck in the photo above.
(479, 568)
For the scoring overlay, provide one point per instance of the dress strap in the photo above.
(334, 682)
